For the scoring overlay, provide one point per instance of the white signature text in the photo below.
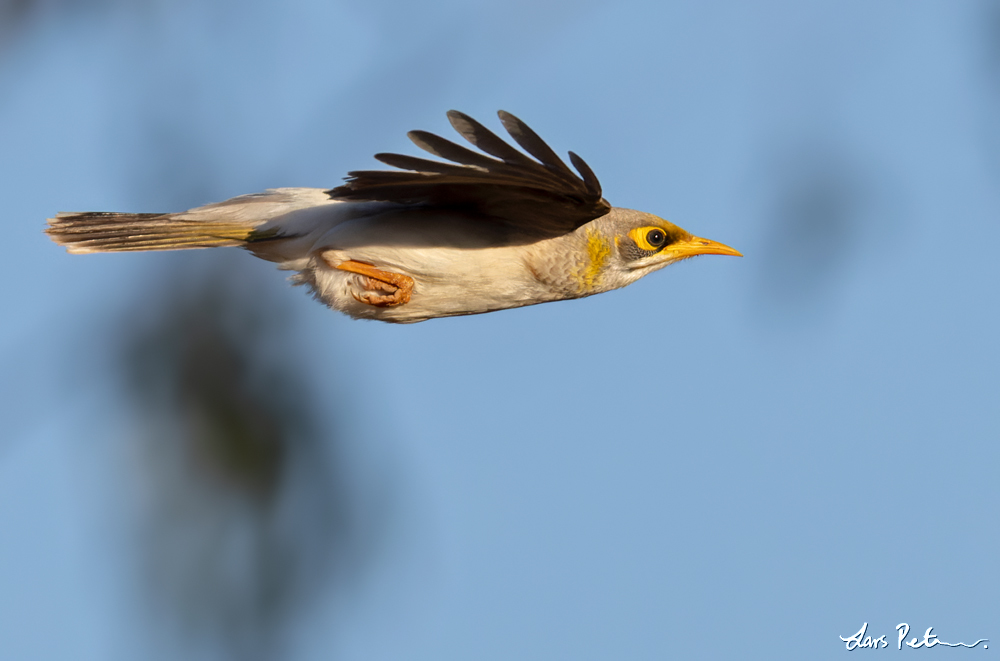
(930, 639)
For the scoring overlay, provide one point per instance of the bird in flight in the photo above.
(493, 229)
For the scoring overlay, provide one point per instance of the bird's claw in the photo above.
(398, 287)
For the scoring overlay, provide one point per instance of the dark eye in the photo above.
(649, 239)
(656, 238)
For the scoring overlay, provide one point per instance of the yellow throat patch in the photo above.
(598, 252)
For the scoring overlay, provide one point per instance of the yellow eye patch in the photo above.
(648, 238)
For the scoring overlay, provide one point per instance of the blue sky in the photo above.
(743, 457)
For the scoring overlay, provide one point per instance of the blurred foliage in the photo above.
(248, 517)
(991, 31)
(245, 511)
(210, 357)
(17, 15)
(12, 11)
(992, 25)
(816, 204)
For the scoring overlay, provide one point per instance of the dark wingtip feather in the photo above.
(499, 180)
(487, 140)
(461, 122)
(534, 145)
(589, 178)
(447, 149)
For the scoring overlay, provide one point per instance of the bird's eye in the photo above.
(649, 239)
(656, 238)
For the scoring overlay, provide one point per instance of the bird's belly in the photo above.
(447, 281)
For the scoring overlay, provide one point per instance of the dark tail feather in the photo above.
(118, 232)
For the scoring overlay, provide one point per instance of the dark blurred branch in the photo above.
(248, 512)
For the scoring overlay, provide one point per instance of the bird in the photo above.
(480, 231)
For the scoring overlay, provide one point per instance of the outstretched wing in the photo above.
(540, 197)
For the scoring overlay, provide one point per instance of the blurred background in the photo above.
(733, 458)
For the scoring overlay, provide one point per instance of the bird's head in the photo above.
(625, 245)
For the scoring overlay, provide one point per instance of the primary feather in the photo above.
(534, 199)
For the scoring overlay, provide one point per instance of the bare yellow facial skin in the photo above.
(643, 235)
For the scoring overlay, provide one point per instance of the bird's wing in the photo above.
(540, 197)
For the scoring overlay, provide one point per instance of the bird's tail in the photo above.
(118, 232)
(236, 222)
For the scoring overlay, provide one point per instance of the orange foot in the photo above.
(397, 286)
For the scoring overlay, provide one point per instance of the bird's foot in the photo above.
(398, 287)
